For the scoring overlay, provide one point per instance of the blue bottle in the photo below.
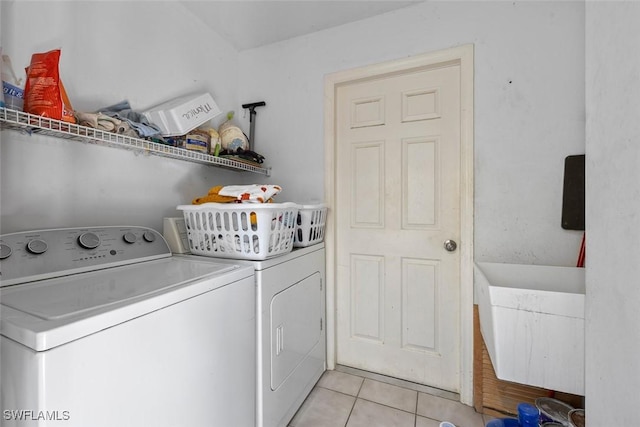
(528, 415)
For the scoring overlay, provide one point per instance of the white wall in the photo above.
(529, 115)
(529, 109)
(613, 213)
(146, 52)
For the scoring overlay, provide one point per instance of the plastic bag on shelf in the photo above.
(44, 93)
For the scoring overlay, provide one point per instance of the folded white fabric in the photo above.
(97, 121)
(253, 193)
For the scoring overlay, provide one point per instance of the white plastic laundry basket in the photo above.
(253, 231)
(310, 225)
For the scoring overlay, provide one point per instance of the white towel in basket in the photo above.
(250, 193)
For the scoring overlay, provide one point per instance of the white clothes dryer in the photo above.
(103, 327)
(291, 332)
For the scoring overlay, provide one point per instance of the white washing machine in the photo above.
(291, 341)
(104, 327)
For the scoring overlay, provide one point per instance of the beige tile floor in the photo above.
(342, 399)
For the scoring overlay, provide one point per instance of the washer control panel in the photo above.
(43, 254)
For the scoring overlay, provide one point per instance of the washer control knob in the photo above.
(5, 251)
(149, 236)
(89, 240)
(37, 246)
(129, 237)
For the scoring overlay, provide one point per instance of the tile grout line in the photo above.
(415, 419)
(386, 406)
(336, 391)
(358, 397)
(354, 402)
(420, 388)
(361, 385)
(379, 403)
(415, 412)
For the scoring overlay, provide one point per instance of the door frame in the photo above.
(462, 55)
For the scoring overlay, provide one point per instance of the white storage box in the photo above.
(310, 225)
(253, 231)
(181, 115)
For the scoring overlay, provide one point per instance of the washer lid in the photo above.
(72, 295)
(51, 312)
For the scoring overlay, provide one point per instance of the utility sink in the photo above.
(532, 321)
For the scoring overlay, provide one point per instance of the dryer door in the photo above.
(296, 326)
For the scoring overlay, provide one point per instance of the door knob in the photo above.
(450, 245)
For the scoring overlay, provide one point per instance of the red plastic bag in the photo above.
(44, 94)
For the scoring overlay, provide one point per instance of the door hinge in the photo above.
(321, 323)
(320, 285)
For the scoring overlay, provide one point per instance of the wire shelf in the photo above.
(30, 123)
